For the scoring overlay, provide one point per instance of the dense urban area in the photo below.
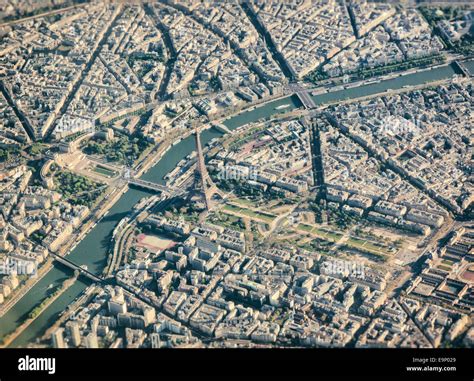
(236, 174)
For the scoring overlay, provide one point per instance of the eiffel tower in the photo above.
(316, 142)
(203, 187)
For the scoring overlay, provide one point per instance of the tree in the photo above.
(4, 155)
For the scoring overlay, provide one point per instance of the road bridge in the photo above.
(306, 99)
(462, 68)
(149, 185)
(81, 269)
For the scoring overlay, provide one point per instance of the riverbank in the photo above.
(19, 293)
(81, 300)
(388, 92)
(37, 311)
(421, 78)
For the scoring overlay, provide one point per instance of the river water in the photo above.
(469, 66)
(412, 79)
(92, 250)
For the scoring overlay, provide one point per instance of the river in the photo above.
(413, 79)
(92, 250)
(469, 66)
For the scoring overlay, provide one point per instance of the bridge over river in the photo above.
(81, 269)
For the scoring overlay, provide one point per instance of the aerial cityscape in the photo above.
(236, 174)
